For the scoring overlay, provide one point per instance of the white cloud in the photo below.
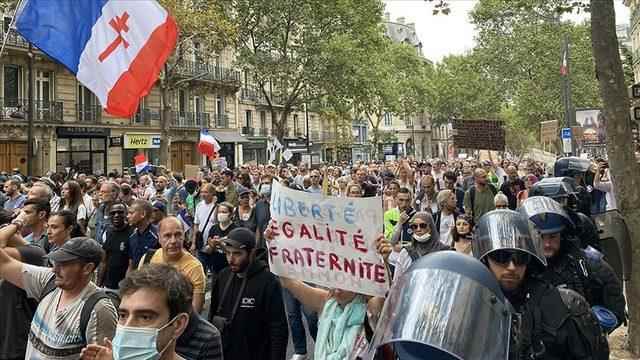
(442, 35)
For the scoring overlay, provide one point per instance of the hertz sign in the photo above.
(141, 141)
(478, 134)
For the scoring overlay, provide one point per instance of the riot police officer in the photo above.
(438, 308)
(549, 323)
(568, 265)
(565, 191)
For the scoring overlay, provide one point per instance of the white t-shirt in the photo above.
(447, 222)
(202, 213)
(55, 332)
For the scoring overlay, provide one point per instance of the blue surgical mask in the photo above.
(137, 343)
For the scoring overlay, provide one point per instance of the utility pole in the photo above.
(566, 91)
(30, 114)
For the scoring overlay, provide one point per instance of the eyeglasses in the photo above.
(418, 226)
(504, 257)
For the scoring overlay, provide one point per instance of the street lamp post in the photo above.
(30, 114)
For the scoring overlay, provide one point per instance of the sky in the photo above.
(453, 33)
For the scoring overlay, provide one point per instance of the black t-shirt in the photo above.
(116, 247)
(16, 310)
(218, 260)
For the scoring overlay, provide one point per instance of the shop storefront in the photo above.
(140, 143)
(255, 152)
(82, 149)
(231, 144)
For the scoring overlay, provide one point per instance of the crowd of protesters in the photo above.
(120, 265)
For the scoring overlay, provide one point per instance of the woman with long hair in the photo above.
(462, 234)
(73, 202)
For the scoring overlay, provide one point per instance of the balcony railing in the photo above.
(263, 132)
(221, 121)
(190, 120)
(144, 117)
(251, 94)
(248, 130)
(14, 39)
(201, 71)
(14, 109)
(88, 113)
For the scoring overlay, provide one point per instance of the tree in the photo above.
(520, 43)
(462, 88)
(624, 165)
(199, 21)
(393, 82)
(287, 47)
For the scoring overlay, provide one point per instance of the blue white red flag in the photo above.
(141, 163)
(116, 48)
(208, 145)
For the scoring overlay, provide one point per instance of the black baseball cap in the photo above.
(78, 248)
(241, 238)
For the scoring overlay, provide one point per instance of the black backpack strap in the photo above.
(87, 309)
(472, 197)
(148, 256)
(48, 288)
(413, 253)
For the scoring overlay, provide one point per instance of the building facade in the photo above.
(634, 35)
(71, 131)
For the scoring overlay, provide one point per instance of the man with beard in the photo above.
(568, 265)
(261, 320)
(15, 199)
(478, 200)
(116, 247)
(550, 323)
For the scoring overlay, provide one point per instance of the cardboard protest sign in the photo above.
(327, 241)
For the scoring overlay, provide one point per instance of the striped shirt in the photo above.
(200, 340)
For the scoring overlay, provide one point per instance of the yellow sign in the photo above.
(141, 141)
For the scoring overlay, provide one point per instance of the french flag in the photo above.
(116, 48)
(208, 145)
(141, 163)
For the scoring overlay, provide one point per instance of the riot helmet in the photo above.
(571, 166)
(505, 230)
(561, 189)
(459, 298)
(547, 214)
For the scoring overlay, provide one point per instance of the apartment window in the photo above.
(87, 104)
(140, 116)
(296, 128)
(12, 85)
(182, 102)
(248, 121)
(388, 119)
(263, 120)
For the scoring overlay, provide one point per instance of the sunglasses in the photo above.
(504, 257)
(418, 226)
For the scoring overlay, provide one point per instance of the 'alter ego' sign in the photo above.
(327, 241)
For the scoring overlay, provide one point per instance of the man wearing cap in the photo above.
(56, 332)
(172, 252)
(248, 299)
(159, 211)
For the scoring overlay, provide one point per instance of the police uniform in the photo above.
(547, 324)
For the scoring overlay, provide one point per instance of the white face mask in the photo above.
(223, 218)
(422, 238)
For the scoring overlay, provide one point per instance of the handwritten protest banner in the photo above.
(327, 241)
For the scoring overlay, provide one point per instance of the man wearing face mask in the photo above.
(154, 313)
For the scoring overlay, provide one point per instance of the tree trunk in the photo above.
(624, 167)
(375, 142)
(165, 120)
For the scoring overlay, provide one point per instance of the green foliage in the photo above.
(294, 50)
(463, 88)
(520, 43)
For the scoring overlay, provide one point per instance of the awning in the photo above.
(229, 137)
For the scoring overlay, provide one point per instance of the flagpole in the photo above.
(566, 91)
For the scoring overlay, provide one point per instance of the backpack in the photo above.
(472, 194)
(88, 305)
(148, 255)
